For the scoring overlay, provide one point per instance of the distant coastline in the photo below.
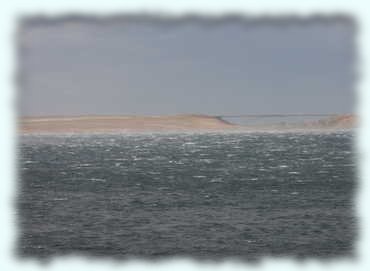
(172, 123)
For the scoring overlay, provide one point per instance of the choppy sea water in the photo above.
(196, 195)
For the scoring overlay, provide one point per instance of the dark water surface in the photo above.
(198, 195)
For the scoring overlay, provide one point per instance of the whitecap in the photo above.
(315, 158)
(188, 143)
(207, 161)
(276, 150)
(30, 162)
(98, 180)
(120, 159)
(59, 199)
(216, 180)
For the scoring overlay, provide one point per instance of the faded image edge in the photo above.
(152, 136)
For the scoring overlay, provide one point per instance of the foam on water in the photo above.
(210, 195)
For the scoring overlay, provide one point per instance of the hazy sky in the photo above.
(79, 66)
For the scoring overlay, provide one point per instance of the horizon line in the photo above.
(192, 114)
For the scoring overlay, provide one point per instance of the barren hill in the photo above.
(174, 123)
(338, 122)
(88, 124)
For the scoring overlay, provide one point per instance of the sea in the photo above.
(200, 195)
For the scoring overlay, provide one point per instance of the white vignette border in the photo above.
(9, 15)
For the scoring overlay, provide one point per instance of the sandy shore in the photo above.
(175, 123)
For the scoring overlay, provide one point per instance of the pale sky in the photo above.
(155, 66)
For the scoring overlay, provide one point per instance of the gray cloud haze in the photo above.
(77, 66)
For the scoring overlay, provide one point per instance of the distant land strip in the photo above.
(276, 115)
(174, 123)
